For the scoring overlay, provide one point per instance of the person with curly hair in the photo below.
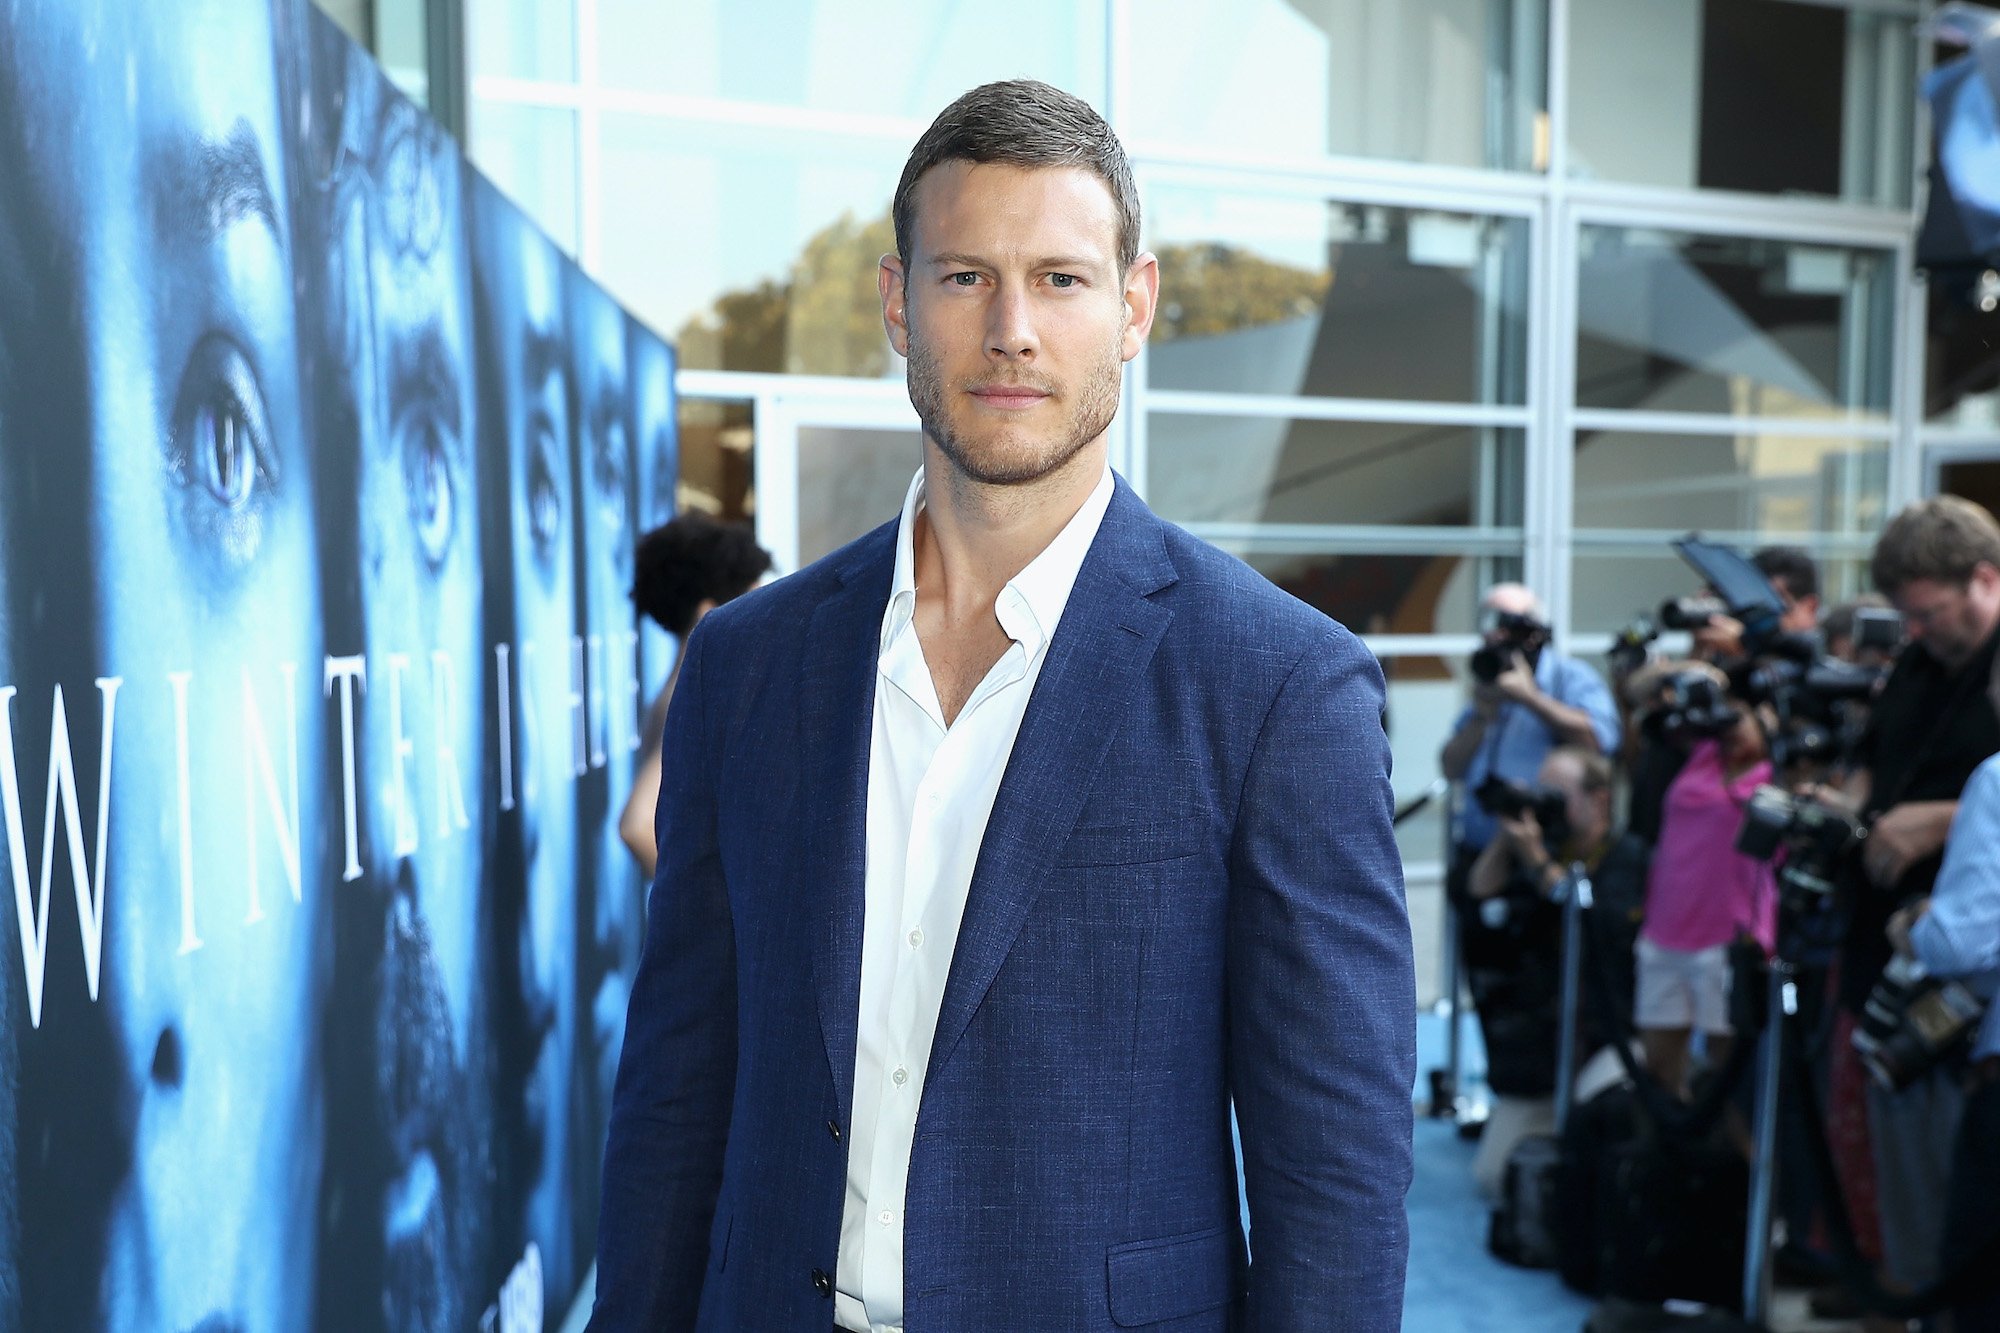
(682, 570)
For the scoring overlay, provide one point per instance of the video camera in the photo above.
(1517, 633)
(1503, 798)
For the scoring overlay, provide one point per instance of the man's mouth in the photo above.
(1009, 397)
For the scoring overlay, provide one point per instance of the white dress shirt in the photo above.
(930, 790)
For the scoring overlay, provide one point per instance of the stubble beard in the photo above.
(1015, 458)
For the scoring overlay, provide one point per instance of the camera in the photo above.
(1505, 799)
(1691, 612)
(1821, 702)
(1913, 1021)
(1690, 705)
(1516, 633)
(1877, 629)
(1813, 834)
(1631, 645)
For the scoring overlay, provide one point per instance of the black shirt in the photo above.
(1928, 730)
(1513, 959)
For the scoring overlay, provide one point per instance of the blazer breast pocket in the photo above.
(1165, 835)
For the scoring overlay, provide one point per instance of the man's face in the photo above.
(1016, 316)
(1949, 620)
(181, 477)
(1800, 614)
(1589, 812)
(403, 293)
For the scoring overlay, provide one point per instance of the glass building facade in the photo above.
(1453, 290)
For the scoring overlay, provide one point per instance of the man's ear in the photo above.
(1142, 300)
(890, 282)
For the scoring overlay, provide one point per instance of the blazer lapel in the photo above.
(836, 712)
(1101, 648)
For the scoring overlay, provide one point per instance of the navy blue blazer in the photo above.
(1188, 894)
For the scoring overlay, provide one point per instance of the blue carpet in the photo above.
(1455, 1285)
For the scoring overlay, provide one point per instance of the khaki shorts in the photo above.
(1677, 989)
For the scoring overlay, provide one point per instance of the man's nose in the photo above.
(1010, 328)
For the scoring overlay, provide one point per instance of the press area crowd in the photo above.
(1807, 791)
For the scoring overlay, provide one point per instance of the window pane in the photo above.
(523, 39)
(1976, 479)
(1668, 321)
(1608, 588)
(851, 481)
(750, 249)
(1457, 82)
(1730, 483)
(905, 58)
(1242, 469)
(1385, 594)
(1279, 294)
(717, 463)
(1757, 95)
(530, 152)
(1962, 353)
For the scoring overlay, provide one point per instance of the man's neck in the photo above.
(971, 537)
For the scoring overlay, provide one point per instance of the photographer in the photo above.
(1653, 762)
(1955, 934)
(1702, 894)
(1513, 934)
(1794, 576)
(1938, 562)
(1533, 700)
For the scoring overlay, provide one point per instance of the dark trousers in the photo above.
(1972, 1211)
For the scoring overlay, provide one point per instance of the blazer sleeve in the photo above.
(1322, 1005)
(677, 1072)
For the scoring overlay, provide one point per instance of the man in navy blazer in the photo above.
(1004, 851)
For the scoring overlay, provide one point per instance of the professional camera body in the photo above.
(1912, 1023)
(1690, 705)
(1813, 835)
(1505, 799)
(1518, 633)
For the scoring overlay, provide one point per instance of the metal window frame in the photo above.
(1555, 206)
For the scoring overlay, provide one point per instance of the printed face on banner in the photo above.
(608, 876)
(656, 453)
(400, 287)
(176, 498)
(522, 318)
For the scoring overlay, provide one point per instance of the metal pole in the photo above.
(1445, 1093)
(1780, 999)
(1575, 897)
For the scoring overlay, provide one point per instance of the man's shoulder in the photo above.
(1217, 589)
(782, 610)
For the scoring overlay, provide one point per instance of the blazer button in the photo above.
(822, 1283)
(833, 1128)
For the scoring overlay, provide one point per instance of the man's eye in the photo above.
(219, 448)
(222, 453)
(1062, 279)
(965, 279)
(545, 501)
(433, 493)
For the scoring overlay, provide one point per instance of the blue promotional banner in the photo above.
(320, 692)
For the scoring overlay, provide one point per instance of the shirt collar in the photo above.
(1031, 604)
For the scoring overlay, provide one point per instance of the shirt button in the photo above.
(916, 939)
(833, 1128)
(885, 1217)
(822, 1283)
(901, 1076)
